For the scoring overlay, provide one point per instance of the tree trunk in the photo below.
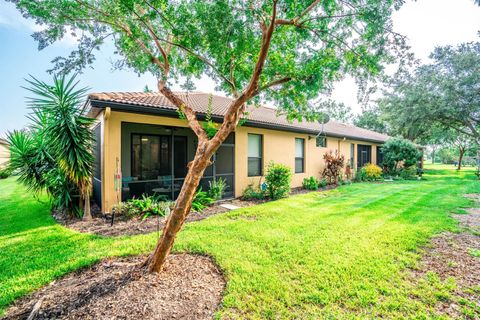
(87, 214)
(433, 156)
(206, 148)
(182, 207)
(460, 158)
(81, 203)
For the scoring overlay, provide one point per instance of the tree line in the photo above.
(435, 104)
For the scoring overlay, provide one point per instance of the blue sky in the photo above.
(426, 23)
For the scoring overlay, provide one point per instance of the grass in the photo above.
(338, 254)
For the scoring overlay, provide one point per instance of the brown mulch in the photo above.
(450, 255)
(128, 227)
(190, 287)
(300, 190)
(100, 225)
(471, 220)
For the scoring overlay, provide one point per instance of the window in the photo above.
(379, 156)
(364, 155)
(299, 155)
(321, 141)
(150, 156)
(255, 155)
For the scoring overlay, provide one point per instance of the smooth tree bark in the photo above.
(434, 151)
(461, 152)
(205, 150)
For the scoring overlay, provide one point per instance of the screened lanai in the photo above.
(154, 161)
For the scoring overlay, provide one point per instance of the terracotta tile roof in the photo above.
(257, 115)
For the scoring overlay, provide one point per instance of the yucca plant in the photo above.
(68, 128)
(37, 168)
(56, 153)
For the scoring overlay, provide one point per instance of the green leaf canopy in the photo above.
(314, 43)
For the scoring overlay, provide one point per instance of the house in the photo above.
(4, 152)
(144, 146)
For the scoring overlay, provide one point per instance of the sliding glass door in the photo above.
(156, 164)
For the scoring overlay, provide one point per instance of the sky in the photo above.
(426, 24)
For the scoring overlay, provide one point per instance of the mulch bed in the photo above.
(471, 220)
(300, 190)
(450, 255)
(127, 227)
(99, 225)
(189, 287)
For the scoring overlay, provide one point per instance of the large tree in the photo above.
(445, 93)
(283, 51)
(371, 118)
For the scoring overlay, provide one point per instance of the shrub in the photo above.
(360, 175)
(334, 163)
(253, 193)
(399, 152)
(372, 171)
(408, 173)
(278, 179)
(217, 188)
(144, 207)
(5, 172)
(323, 183)
(311, 183)
(201, 200)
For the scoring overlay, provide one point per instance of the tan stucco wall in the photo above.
(4, 154)
(278, 146)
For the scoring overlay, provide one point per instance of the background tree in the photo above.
(283, 51)
(371, 119)
(443, 94)
(462, 143)
(337, 111)
(447, 154)
(71, 138)
(434, 139)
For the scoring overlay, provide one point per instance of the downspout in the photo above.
(107, 113)
(105, 134)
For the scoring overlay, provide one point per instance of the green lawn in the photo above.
(338, 254)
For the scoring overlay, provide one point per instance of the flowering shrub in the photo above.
(372, 171)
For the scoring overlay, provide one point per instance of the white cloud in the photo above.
(10, 17)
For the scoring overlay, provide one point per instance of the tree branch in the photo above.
(295, 20)
(273, 83)
(159, 14)
(201, 58)
(153, 35)
(237, 107)
(187, 110)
